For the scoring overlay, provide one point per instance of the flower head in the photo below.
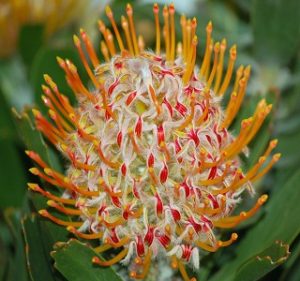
(153, 169)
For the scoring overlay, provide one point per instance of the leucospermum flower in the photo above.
(153, 169)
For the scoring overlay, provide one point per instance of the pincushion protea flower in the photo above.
(153, 169)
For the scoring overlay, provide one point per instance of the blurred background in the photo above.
(267, 33)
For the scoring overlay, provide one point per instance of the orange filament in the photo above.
(206, 55)
(234, 104)
(57, 101)
(227, 243)
(119, 244)
(238, 76)
(34, 156)
(184, 35)
(104, 51)
(141, 43)
(129, 12)
(229, 71)
(117, 258)
(229, 222)
(125, 27)
(102, 248)
(62, 209)
(191, 61)
(90, 49)
(45, 214)
(157, 28)
(37, 188)
(215, 64)
(207, 69)
(275, 159)
(88, 236)
(183, 272)
(110, 42)
(172, 27)
(188, 38)
(166, 32)
(220, 66)
(145, 267)
(110, 15)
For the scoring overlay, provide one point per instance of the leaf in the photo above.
(258, 266)
(14, 83)
(276, 29)
(38, 263)
(30, 41)
(18, 260)
(280, 223)
(13, 178)
(74, 261)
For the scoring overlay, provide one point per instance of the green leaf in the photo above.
(74, 261)
(258, 266)
(276, 29)
(14, 83)
(37, 259)
(280, 223)
(16, 268)
(13, 178)
(31, 39)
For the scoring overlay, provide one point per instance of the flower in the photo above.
(15, 13)
(154, 170)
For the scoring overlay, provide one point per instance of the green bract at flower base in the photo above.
(153, 169)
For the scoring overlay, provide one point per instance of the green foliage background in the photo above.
(268, 36)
